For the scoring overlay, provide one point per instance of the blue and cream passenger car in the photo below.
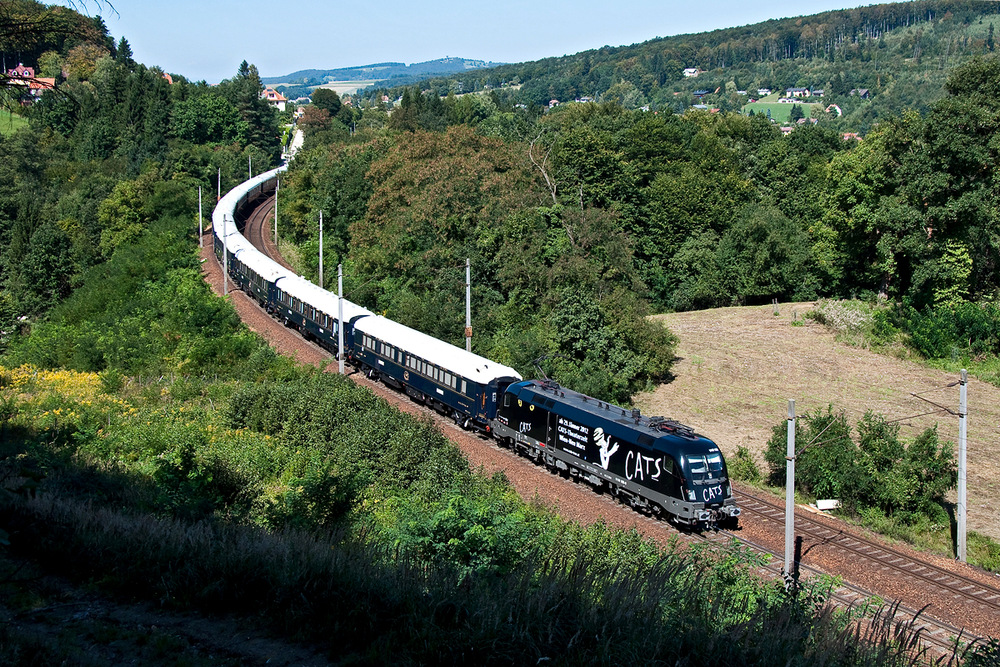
(454, 382)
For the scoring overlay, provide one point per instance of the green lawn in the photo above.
(781, 112)
(10, 123)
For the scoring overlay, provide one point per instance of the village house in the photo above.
(275, 98)
(21, 72)
(32, 87)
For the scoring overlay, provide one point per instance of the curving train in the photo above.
(655, 465)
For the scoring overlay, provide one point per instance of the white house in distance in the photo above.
(691, 71)
(275, 98)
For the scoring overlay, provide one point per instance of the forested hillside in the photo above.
(899, 54)
(115, 147)
(582, 219)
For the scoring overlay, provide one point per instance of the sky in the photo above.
(208, 39)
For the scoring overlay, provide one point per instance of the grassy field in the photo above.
(349, 87)
(739, 366)
(781, 111)
(341, 87)
(10, 123)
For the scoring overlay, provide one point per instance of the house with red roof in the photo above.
(32, 87)
(275, 98)
(21, 72)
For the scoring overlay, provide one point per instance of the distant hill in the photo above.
(898, 53)
(380, 71)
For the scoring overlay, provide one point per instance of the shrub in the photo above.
(742, 466)
(878, 471)
(853, 321)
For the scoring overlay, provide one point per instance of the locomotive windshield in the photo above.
(704, 468)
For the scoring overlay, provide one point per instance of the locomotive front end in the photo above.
(707, 484)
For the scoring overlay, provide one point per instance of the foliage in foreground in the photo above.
(349, 525)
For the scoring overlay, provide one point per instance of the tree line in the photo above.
(582, 219)
(899, 52)
(115, 146)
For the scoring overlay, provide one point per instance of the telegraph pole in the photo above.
(340, 318)
(468, 306)
(790, 496)
(321, 248)
(962, 508)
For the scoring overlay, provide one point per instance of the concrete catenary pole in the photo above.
(790, 496)
(468, 306)
(277, 188)
(962, 510)
(201, 231)
(340, 318)
(321, 249)
(218, 186)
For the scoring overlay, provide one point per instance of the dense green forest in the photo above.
(154, 450)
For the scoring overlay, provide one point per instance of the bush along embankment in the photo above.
(951, 335)
(904, 496)
(891, 486)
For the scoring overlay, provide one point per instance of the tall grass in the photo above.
(365, 602)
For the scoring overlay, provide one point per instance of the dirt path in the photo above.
(739, 366)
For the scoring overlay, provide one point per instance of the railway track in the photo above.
(256, 223)
(937, 636)
(951, 586)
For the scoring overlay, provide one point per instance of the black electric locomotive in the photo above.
(654, 464)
